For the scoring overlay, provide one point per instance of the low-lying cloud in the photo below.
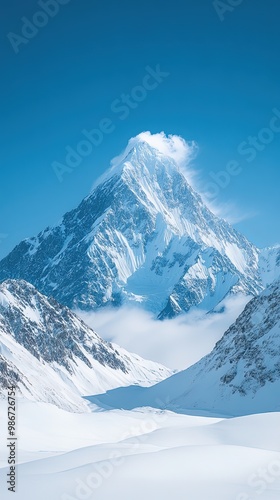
(176, 343)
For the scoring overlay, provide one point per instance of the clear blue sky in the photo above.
(223, 85)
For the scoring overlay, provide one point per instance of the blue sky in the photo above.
(222, 88)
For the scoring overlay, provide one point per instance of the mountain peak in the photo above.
(144, 153)
(143, 235)
(172, 146)
(172, 151)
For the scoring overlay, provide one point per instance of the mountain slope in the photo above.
(144, 236)
(240, 376)
(269, 264)
(53, 356)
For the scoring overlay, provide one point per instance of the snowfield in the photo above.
(144, 453)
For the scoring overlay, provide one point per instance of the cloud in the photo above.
(173, 146)
(176, 343)
(229, 211)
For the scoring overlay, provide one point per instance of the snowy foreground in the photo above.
(143, 453)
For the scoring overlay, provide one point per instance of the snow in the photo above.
(4, 301)
(30, 326)
(269, 264)
(145, 453)
(240, 375)
(52, 382)
(32, 314)
(236, 256)
(34, 245)
(66, 244)
(97, 421)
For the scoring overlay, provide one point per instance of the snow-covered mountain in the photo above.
(269, 264)
(144, 236)
(240, 376)
(54, 357)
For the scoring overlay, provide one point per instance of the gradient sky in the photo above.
(222, 87)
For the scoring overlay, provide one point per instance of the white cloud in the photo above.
(229, 211)
(176, 343)
(174, 146)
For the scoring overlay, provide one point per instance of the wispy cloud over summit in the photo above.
(173, 146)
